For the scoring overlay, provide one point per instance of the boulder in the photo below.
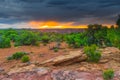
(71, 57)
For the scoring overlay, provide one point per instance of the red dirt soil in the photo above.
(38, 54)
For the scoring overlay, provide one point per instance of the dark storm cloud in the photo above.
(80, 11)
(29, 1)
(58, 2)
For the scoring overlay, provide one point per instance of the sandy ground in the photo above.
(42, 53)
(37, 53)
(89, 71)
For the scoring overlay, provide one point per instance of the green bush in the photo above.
(45, 39)
(13, 37)
(113, 35)
(56, 37)
(18, 55)
(93, 53)
(108, 74)
(97, 34)
(76, 40)
(4, 42)
(25, 59)
(9, 58)
(55, 49)
(27, 38)
(103, 36)
(11, 34)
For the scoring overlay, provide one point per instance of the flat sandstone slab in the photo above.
(71, 57)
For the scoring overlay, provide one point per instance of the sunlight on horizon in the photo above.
(55, 24)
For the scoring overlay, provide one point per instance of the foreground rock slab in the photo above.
(71, 57)
(31, 68)
(26, 76)
(79, 75)
(57, 75)
(27, 73)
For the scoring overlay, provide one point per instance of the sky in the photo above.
(57, 13)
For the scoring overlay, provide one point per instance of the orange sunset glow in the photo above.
(54, 24)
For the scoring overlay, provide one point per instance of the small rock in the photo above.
(41, 55)
(41, 71)
(103, 61)
(1, 70)
(82, 69)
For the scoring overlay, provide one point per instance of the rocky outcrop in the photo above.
(79, 75)
(30, 68)
(85, 71)
(45, 74)
(110, 53)
(27, 73)
(32, 75)
(71, 57)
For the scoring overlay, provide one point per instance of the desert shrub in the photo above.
(18, 55)
(10, 33)
(55, 49)
(97, 34)
(93, 53)
(13, 37)
(1, 32)
(45, 39)
(108, 74)
(4, 42)
(27, 38)
(76, 40)
(9, 58)
(101, 35)
(58, 37)
(113, 35)
(52, 37)
(25, 58)
(18, 42)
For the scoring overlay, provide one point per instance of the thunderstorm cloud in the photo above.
(78, 11)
